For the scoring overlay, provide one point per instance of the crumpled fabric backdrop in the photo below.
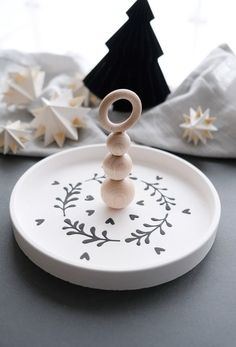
(211, 85)
(53, 65)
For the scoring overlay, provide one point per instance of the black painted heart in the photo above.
(89, 198)
(141, 202)
(90, 212)
(85, 256)
(158, 250)
(110, 221)
(39, 221)
(55, 183)
(186, 211)
(133, 216)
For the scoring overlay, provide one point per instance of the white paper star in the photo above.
(75, 82)
(76, 85)
(59, 117)
(64, 81)
(13, 136)
(23, 86)
(198, 126)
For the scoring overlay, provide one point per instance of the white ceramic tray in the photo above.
(63, 226)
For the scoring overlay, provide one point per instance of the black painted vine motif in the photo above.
(144, 235)
(91, 236)
(96, 178)
(101, 178)
(163, 199)
(67, 202)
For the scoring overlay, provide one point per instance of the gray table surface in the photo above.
(198, 309)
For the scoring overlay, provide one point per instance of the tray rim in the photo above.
(211, 231)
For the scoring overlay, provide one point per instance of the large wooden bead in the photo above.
(117, 168)
(117, 194)
(118, 143)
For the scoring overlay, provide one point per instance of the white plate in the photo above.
(63, 226)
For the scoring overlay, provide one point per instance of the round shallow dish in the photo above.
(63, 226)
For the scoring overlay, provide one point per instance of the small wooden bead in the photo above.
(117, 194)
(117, 168)
(118, 143)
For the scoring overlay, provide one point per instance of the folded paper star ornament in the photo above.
(13, 136)
(59, 118)
(75, 82)
(76, 85)
(23, 86)
(198, 126)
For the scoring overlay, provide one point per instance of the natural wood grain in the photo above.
(118, 143)
(117, 194)
(108, 101)
(117, 167)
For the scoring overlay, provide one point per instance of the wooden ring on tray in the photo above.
(108, 101)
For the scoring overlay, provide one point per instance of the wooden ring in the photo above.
(112, 97)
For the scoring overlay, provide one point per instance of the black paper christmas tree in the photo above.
(131, 61)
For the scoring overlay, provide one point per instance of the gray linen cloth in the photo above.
(211, 85)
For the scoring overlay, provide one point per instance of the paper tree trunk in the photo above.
(131, 62)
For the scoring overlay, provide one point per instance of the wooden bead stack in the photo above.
(117, 190)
